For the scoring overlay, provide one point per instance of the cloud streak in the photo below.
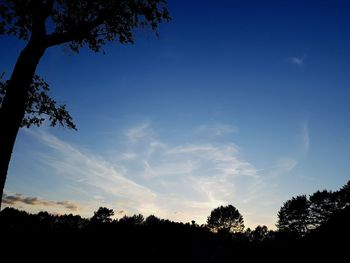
(148, 175)
(216, 130)
(90, 172)
(305, 138)
(14, 199)
(139, 132)
(151, 176)
(299, 61)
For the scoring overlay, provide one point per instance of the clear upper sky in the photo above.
(237, 102)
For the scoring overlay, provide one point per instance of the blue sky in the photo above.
(237, 102)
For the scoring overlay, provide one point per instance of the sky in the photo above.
(236, 102)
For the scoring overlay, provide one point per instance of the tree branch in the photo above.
(77, 33)
(55, 39)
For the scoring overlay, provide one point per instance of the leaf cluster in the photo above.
(40, 106)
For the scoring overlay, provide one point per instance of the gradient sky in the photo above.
(237, 102)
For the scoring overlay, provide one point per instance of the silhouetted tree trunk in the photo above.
(80, 23)
(14, 104)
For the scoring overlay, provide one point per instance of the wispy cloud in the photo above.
(223, 158)
(129, 156)
(90, 173)
(283, 166)
(305, 138)
(192, 179)
(297, 60)
(13, 199)
(215, 130)
(286, 164)
(179, 181)
(136, 133)
(151, 176)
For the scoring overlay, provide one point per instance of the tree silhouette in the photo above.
(225, 219)
(260, 233)
(154, 239)
(294, 216)
(152, 220)
(102, 215)
(90, 23)
(40, 104)
(132, 220)
(300, 214)
(343, 196)
(322, 206)
(71, 222)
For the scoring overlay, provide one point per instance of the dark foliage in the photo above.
(293, 215)
(40, 105)
(300, 215)
(322, 205)
(82, 22)
(226, 219)
(153, 239)
(102, 215)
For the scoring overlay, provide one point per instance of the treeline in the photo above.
(302, 214)
(320, 220)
